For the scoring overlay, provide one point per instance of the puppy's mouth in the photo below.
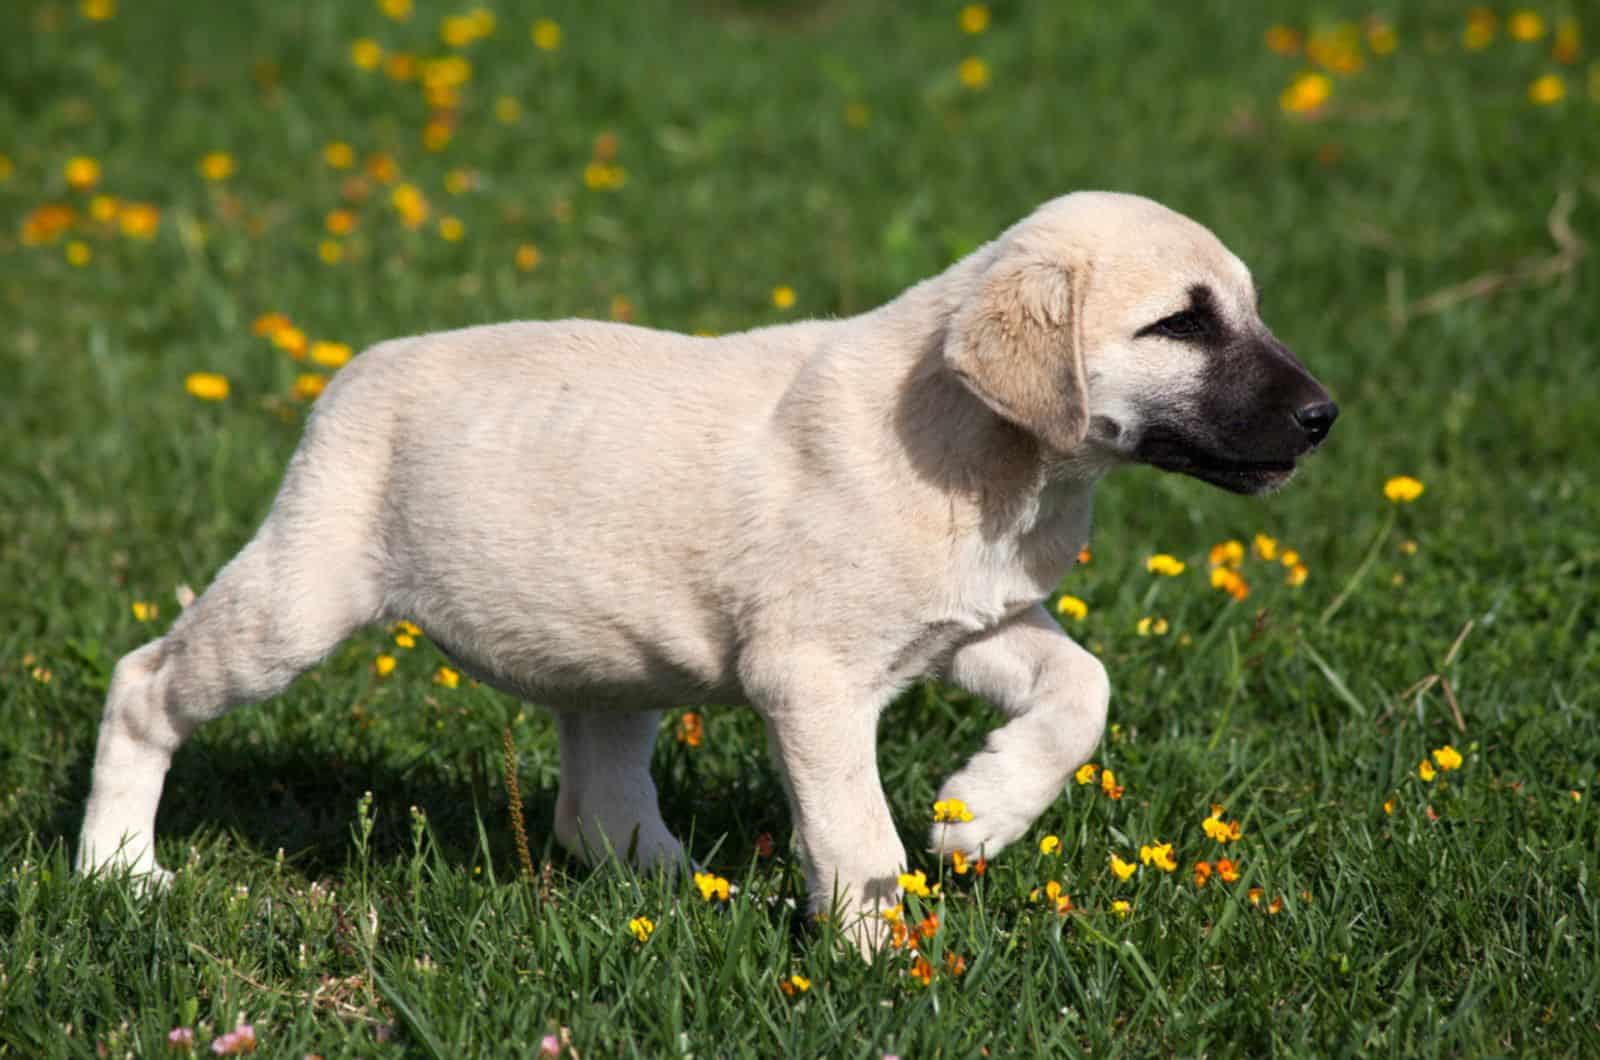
(1170, 451)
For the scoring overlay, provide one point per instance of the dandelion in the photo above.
(1447, 758)
(974, 19)
(783, 296)
(1086, 773)
(216, 166)
(384, 664)
(1548, 90)
(207, 386)
(712, 887)
(1202, 873)
(915, 883)
(1306, 94)
(1072, 607)
(959, 863)
(691, 730)
(951, 810)
(366, 53)
(1425, 771)
(857, 115)
(1164, 564)
(308, 386)
(1151, 627)
(236, 1042)
(78, 253)
(1283, 40)
(642, 928)
(1123, 870)
(446, 677)
(1159, 855)
(1228, 554)
(1122, 907)
(1050, 845)
(528, 257)
(921, 971)
(1525, 26)
(82, 173)
(1109, 785)
(546, 35)
(974, 73)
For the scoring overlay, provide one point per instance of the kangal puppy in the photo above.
(609, 520)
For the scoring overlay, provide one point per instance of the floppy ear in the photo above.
(1017, 343)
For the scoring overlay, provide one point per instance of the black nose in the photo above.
(1317, 419)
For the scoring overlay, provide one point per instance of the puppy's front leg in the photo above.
(824, 734)
(1055, 694)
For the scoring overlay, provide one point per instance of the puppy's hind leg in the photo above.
(299, 588)
(608, 798)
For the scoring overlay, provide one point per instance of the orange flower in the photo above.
(1109, 785)
(955, 964)
(921, 971)
(1227, 870)
(1202, 873)
(691, 730)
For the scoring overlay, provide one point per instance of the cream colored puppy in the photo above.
(609, 520)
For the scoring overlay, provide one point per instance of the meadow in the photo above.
(1347, 801)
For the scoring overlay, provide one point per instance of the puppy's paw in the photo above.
(993, 828)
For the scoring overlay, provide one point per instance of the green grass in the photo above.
(1464, 923)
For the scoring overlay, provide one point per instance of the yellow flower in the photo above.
(915, 883)
(712, 887)
(1425, 771)
(1306, 93)
(1296, 575)
(1049, 845)
(1547, 90)
(405, 625)
(458, 31)
(331, 251)
(1124, 870)
(446, 677)
(451, 230)
(546, 35)
(97, 10)
(642, 928)
(794, 986)
(528, 257)
(1086, 773)
(340, 222)
(1164, 564)
(1525, 26)
(974, 72)
(1568, 40)
(308, 386)
(1447, 758)
(6, 168)
(1230, 582)
(218, 165)
(411, 204)
(974, 18)
(291, 340)
(1227, 871)
(857, 115)
(78, 253)
(507, 110)
(460, 181)
(783, 296)
(1221, 831)
(103, 208)
(1283, 40)
(366, 53)
(1148, 627)
(330, 354)
(384, 664)
(1226, 554)
(207, 386)
(1122, 907)
(1109, 785)
(1388, 807)
(1402, 489)
(145, 611)
(399, 10)
(1381, 37)
(82, 173)
(1265, 547)
(1480, 28)
(1072, 607)
(951, 810)
(893, 913)
(405, 640)
(339, 155)
(1159, 855)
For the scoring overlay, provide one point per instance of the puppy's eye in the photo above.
(1184, 325)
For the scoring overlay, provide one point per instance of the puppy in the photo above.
(608, 520)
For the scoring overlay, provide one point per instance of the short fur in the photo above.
(608, 520)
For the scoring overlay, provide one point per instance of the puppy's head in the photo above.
(1110, 325)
